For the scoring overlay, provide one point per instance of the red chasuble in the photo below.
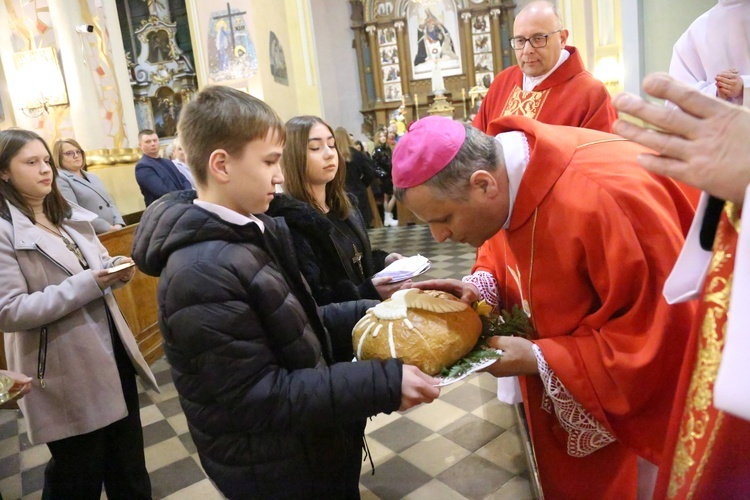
(569, 96)
(708, 451)
(592, 238)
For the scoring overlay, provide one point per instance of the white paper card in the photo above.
(405, 268)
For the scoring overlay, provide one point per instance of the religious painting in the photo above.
(392, 92)
(482, 45)
(433, 38)
(388, 49)
(485, 79)
(158, 46)
(391, 73)
(386, 36)
(482, 63)
(388, 55)
(231, 51)
(278, 61)
(480, 24)
(166, 105)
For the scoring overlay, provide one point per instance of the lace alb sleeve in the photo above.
(585, 434)
(487, 285)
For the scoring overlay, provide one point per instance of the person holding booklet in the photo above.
(63, 326)
(329, 234)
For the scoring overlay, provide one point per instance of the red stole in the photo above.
(710, 449)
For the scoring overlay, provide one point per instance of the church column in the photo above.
(402, 59)
(497, 43)
(375, 63)
(468, 41)
(359, 48)
(121, 75)
(83, 93)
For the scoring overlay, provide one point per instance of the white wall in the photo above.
(663, 23)
(337, 64)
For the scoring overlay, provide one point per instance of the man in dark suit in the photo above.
(156, 176)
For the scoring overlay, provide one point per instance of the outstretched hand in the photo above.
(517, 359)
(465, 291)
(703, 143)
(417, 388)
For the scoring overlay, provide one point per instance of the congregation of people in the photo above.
(633, 384)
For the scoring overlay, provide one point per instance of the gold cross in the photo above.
(357, 259)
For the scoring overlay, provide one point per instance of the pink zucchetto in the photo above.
(426, 149)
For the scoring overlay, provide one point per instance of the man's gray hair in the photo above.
(478, 152)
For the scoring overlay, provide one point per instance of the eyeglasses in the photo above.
(536, 41)
(73, 153)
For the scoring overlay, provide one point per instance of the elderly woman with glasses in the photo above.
(84, 188)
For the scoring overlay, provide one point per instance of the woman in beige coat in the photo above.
(63, 327)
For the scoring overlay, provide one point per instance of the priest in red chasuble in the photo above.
(549, 83)
(707, 454)
(572, 230)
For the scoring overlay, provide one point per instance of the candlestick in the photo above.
(416, 105)
(463, 96)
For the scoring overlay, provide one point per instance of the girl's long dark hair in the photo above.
(56, 208)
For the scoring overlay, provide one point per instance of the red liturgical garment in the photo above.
(708, 451)
(570, 96)
(592, 238)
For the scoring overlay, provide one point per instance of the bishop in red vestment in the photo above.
(590, 237)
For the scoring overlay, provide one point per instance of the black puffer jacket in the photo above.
(271, 411)
(331, 276)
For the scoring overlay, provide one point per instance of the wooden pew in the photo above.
(137, 300)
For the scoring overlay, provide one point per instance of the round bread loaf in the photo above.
(428, 329)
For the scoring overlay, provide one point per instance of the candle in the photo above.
(463, 97)
(416, 105)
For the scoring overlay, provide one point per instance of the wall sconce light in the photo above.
(609, 71)
(41, 83)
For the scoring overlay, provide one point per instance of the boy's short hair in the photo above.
(145, 131)
(221, 117)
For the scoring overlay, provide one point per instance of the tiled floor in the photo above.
(464, 445)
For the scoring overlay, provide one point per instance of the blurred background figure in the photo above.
(359, 172)
(176, 153)
(361, 148)
(381, 155)
(713, 55)
(329, 234)
(84, 188)
(62, 323)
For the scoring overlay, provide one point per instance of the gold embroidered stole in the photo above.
(701, 422)
(528, 104)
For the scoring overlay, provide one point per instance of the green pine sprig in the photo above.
(508, 323)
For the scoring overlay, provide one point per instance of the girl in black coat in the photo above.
(328, 231)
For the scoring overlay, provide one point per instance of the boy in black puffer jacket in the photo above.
(273, 404)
